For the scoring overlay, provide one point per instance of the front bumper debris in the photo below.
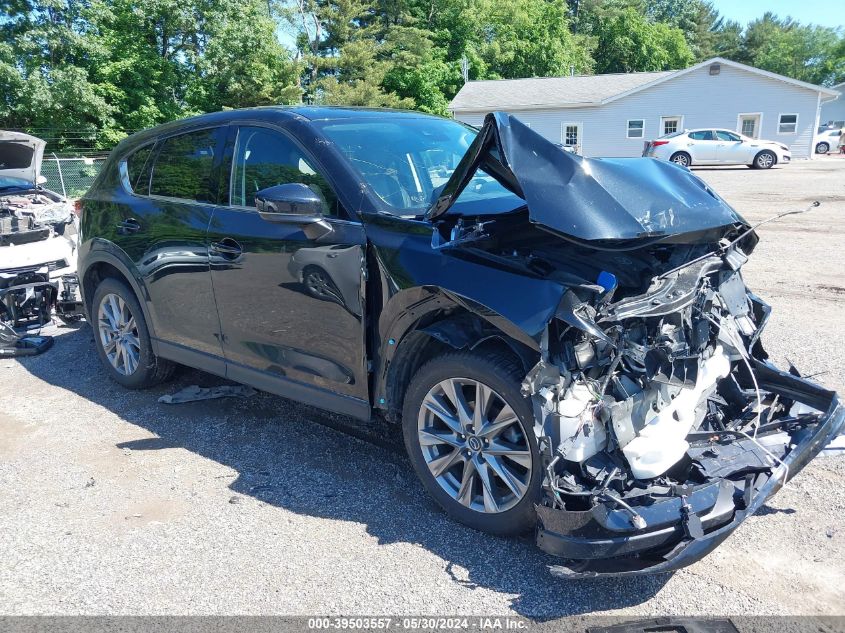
(685, 526)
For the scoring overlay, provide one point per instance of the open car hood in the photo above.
(21, 155)
(587, 198)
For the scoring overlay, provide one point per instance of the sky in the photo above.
(822, 12)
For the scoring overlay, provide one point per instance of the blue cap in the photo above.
(607, 281)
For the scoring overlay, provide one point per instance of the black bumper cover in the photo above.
(682, 530)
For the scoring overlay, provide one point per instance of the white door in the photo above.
(749, 125)
(731, 149)
(571, 135)
(702, 147)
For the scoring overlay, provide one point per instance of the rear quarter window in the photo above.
(138, 170)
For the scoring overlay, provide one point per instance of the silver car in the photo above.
(713, 146)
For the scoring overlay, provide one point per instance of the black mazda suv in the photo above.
(566, 344)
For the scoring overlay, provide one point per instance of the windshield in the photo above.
(407, 161)
(9, 182)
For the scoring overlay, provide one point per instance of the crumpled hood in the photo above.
(21, 155)
(587, 198)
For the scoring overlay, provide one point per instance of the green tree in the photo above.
(44, 60)
(785, 46)
(627, 42)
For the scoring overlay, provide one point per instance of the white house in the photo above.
(612, 115)
(833, 112)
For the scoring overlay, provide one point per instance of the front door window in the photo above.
(264, 158)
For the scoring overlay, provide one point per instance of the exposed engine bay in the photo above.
(38, 241)
(660, 422)
(658, 418)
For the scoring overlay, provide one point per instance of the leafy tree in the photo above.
(806, 52)
(343, 52)
(628, 42)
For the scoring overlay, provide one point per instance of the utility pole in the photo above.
(465, 68)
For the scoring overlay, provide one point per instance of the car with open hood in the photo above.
(566, 344)
(38, 239)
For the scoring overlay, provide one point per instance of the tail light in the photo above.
(77, 207)
(659, 143)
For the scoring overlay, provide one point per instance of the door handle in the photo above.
(227, 247)
(129, 225)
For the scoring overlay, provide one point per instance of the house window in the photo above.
(748, 127)
(671, 124)
(636, 128)
(571, 134)
(788, 124)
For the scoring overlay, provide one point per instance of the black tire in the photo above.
(681, 158)
(822, 148)
(503, 375)
(151, 370)
(765, 160)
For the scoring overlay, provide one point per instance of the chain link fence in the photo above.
(71, 176)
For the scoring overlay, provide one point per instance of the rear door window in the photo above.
(184, 167)
(702, 135)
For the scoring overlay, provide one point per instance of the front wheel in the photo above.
(122, 339)
(765, 160)
(681, 158)
(469, 435)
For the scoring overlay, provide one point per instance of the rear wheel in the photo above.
(681, 158)
(822, 148)
(469, 435)
(765, 160)
(122, 339)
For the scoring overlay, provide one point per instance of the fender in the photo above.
(442, 315)
(100, 251)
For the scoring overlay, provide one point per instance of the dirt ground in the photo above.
(111, 503)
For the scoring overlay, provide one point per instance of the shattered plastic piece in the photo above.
(195, 393)
(13, 344)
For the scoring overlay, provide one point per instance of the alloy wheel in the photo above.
(119, 334)
(681, 160)
(475, 445)
(764, 161)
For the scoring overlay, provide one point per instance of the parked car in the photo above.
(38, 239)
(565, 343)
(826, 140)
(707, 146)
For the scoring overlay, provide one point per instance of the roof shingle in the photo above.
(548, 91)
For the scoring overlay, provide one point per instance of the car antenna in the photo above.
(724, 246)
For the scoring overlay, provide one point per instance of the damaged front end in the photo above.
(661, 424)
(38, 242)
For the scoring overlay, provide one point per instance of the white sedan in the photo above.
(826, 141)
(712, 146)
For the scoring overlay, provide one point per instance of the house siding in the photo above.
(703, 101)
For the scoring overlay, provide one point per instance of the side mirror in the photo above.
(292, 198)
(293, 203)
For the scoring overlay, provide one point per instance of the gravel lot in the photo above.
(111, 503)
